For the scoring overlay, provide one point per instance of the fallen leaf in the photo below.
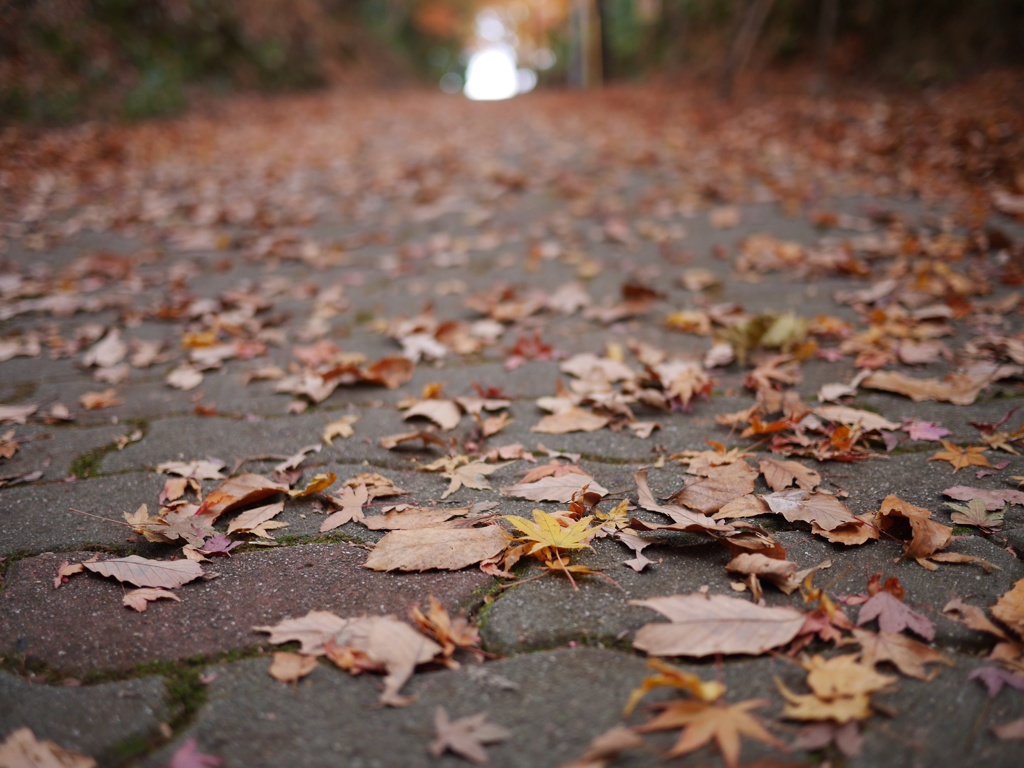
(107, 352)
(219, 544)
(253, 518)
(716, 487)
(822, 509)
(841, 710)
(976, 514)
(351, 501)
(780, 474)
(702, 721)
(669, 676)
(447, 549)
(310, 631)
(960, 388)
(184, 377)
(550, 488)
(139, 599)
(200, 469)
(451, 633)
(1011, 731)
(21, 749)
(238, 491)
(339, 428)
(291, 667)
(409, 518)
(1009, 608)
(843, 677)
(928, 536)
(545, 531)
(973, 617)
(684, 519)
(466, 736)
(390, 442)
(66, 571)
(189, 756)
(92, 401)
(444, 413)
(894, 615)
(316, 484)
(703, 625)
(781, 573)
(995, 498)
(472, 475)
(855, 417)
(572, 419)
(16, 414)
(607, 746)
(959, 458)
(858, 531)
(909, 656)
(748, 505)
(924, 430)
(148, 573)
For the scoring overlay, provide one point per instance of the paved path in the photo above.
(290, 234)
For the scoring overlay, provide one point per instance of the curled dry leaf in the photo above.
(821, 509)
(908, 655)
(139, 599)
(717, 486)
(66, 571)
(444, 413)
(782, 473)
(238, 491)
(21, 749)
(703, 625)
(684, 519)
(148, 573)
(572, 419)
(1009, 609)
(251, 519)
(316, 484)
(960, 388)
(291, 667)
(928, 536)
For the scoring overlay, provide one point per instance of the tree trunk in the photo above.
(747, 31)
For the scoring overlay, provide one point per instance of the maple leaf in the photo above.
(451, 633)
(22, 749)
(702, 721)
(993, 498)
(139, 599)
(994, 678)
(251, 519)
(291, 667)
(220, 544)
(844, 677)
(544, 532)
(894, 616)
(425, 549)
(339, 428)
(148, 573)
(472, 475)
(351, 501)
(924, 430)
(310, 631)
(704, 625)
(189, 756)
(976, 514)
(960, 458)
(465, 736)
(841, 710)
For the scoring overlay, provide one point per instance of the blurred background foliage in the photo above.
(69, 60)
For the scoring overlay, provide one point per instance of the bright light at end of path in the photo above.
(491, 75)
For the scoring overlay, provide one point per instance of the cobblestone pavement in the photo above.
(183, 282)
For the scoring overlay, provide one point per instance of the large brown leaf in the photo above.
(148, 573)
(823, 509)
(685, 519)
(238, 491)
(717, 487)
(559, 488)
(447, 549)
(703, 625)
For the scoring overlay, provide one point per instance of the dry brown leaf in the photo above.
(446, 549)
(781, 573)
(960, 388)
(472, 475)
(973, 617)
(1011, 731)
(238, 491)
(782, 473)
(703, 625)
(573, 419)
(809, 707)
(291, 667)
(1009, 608)
(390, 442)
(200, 469)
(414, 517)
(444, 413)
(339, 428)
(92, 401)
(748, 505)
(148, 573)
(253, 518)
(703, 721)
(310, 631)
(466, 736)
(351, 501)
(317, 483)
(716, 487)
(16, 414)
(21, 749)
(853, 533)
(139, 599)
(607, 746)
(184, 377)
(855, 417)
(391, 372)
(928, 536)
(959, 458)
(908, 655)
(684, 519)
(844, 677)
(555, 488)
(822, 509)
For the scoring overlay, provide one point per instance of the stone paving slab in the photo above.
(83, 625)
(109, 721)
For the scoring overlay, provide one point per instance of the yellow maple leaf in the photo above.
(702, 721)
(545, 531)
(673, 677)
(972, 455)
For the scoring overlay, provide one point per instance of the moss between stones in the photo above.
(88, 464)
